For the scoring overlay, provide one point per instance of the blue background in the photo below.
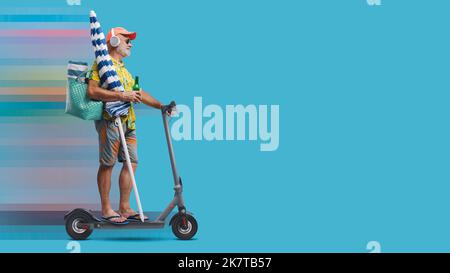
(363, 95)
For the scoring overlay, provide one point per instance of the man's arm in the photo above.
(95, 92)
(150, 101)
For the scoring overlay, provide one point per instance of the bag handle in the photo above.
(85, 73)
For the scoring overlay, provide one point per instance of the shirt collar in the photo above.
(117, 63)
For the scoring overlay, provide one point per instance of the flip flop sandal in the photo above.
(108, 219)
(136, 218)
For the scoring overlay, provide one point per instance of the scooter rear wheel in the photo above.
(184, 226)
(72, 226)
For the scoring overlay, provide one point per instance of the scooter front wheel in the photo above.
(73, 229)
(184, 226)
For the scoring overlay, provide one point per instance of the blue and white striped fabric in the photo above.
(76, 69)
(107, 72)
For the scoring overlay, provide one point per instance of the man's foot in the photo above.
(111, 220)
(114, 218)
(136, 217)
(131, 215)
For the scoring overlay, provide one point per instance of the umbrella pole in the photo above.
(118, 123)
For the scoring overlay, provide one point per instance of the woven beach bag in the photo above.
(78, 104)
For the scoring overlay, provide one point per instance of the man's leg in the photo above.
(104, 186)
(125, 183)
(126, 186)
(108, 150)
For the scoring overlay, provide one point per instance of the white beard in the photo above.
(123, 51)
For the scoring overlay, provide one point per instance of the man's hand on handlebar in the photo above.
(169, 109)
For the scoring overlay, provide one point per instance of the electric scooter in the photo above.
(80, 223)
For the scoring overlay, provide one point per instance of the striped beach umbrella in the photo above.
(110, 81)
(107, 73)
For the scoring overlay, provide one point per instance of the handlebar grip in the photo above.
(168, 108)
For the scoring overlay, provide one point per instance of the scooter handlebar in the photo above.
(167, 109)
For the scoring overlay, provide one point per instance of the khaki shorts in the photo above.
(110, 148)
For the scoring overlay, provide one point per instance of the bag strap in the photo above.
(86, 73)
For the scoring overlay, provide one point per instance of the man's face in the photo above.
(124, 48)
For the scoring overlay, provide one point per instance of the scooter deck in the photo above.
(131, 225)
(102, 224)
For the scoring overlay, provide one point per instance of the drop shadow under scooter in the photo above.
(80, 223)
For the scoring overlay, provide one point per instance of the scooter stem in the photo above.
(176, 178)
